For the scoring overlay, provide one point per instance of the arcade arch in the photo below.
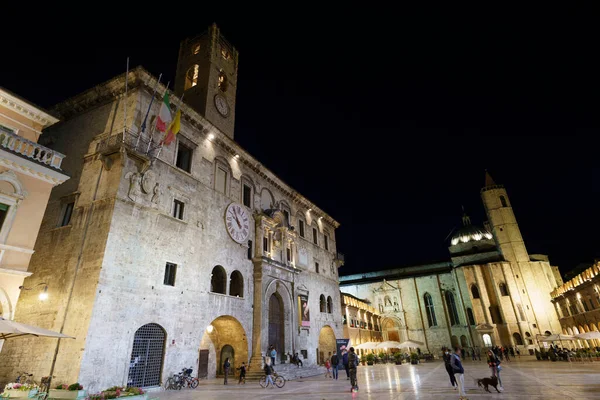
(223, 337)
(326, 343)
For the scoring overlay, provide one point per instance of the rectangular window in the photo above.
(247, 196)
(178, 209)
(317, 267)
(301, 227)
(289, 254)
(326, 242)
(585, 306)
(221, 180)
(184, 157)
(286, 214)
(265, 244)
(3, 212)
(315, 238)
(249, 249)
(170, 270)
(66, 215)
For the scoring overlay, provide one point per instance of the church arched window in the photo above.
(475, 291)
(430, 310)
(450, 302)
(503, 201)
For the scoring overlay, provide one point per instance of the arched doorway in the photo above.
(464, 343)
(454, 341)
(517, 339)
(276, 329)
(223, 337)
(487, 340)
(226, 352)
(326, 343)
(147, 356)
(392, 329)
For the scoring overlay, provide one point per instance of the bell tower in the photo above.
(207, 76)
(503, 222)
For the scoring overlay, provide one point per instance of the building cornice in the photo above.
(10, 271)
(22, 165)
(26, 109)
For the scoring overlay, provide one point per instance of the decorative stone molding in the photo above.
(12, 178)
(26, 109)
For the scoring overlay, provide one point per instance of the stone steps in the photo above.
(289, 371)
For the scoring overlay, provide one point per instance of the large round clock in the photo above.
(221, 104)
(237, 222)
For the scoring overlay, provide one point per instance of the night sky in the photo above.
(388, 127)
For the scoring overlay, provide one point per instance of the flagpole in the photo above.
(154, 126)
(143, 126)
(125, 102)
(178, 108)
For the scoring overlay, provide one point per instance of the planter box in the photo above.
(67, 394)
(12, 393)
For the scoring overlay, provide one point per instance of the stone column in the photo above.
(256, 359)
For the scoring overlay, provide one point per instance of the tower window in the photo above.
(170, 271)
(452, 311)
(192, 76)
(178, 209)
(317, 267)
(221, 180)
(286, 215)
(247, 196)
(503, 201)
(222, 81)
(225, 54)
(289, 254)
(196, 48)
(66, 216)
(301, 227)
(184, 157)
(315, 238)
(326, 242)
(475, 291)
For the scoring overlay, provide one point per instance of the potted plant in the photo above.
(370, 358)
(398, 358)
(20, 390)
(116, 392)
(381, 356)
(72, 391)
(414, 358)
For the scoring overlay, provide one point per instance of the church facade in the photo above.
(490, 291)
(173, 256)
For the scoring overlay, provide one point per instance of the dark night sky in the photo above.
(388, 127)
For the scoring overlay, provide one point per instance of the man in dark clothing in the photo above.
(345, 363)
(449, 370)
(334, 365)
(352, 364)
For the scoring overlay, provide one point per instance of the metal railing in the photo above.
(31, 150)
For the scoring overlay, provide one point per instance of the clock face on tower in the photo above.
(237, 222)
(221, 105)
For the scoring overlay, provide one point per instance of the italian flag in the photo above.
(173, 129)
(164, 115)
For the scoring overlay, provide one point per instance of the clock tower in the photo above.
(207, 75)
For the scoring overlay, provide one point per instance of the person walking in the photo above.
(473, 355)
(273, 355)
(334, 365)
(446, 357)
(345, 364)
(459, 373)
(226, 366)
(268, 372)
(478, 353)
(328, 366)
(494, 364)
(352, 364)
(242, 369)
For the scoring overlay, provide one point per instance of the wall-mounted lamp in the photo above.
(210, 328)
(236, 156)
(211, 136)
(43, 295)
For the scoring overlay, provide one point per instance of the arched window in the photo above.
(475, 291)
(222, 81)
(548, 333)
(470, 316)
(503, 289)
(218, 280)
(487, 340)
(464, 342)
(329, 305)
(517, 338)
(430, 310)
(521, 313)
(322, 304)
(236, 284)
(452, 311)
(191, 77)
(147, 356)
(503, 201)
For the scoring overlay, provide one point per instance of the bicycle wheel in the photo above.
(280, 381)
(263, 382)
(167, 384)
(194, 383)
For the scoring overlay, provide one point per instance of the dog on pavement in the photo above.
(485, 382)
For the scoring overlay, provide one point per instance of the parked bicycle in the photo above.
(25, 378)
(181, 379)
(278, 380)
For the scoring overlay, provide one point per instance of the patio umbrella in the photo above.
(554, 338)
(11, 329)
(390, 344)
(588, 335)
(366, 346)
(411, 344)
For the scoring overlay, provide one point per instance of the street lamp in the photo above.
(43, 295)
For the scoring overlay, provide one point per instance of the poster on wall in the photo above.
(304, 312)
(340, 346)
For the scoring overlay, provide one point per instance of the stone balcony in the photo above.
(30, 150)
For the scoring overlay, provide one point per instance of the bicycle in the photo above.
(25, 378)
(182, 379)
(278, 380)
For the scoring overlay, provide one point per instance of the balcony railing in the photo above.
(29, 149)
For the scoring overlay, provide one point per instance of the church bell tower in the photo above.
(503, 222)
(207, 75)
